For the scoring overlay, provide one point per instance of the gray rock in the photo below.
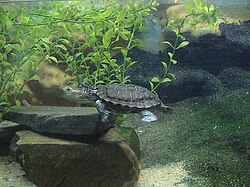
(59, 120)
(235, 78)
(53, 162)
(189, 82)
(7, 132)
(237, 33)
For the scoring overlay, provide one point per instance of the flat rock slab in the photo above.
(59, 120)
(7, 132)
(108, 162)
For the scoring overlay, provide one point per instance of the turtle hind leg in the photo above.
(102, 111)
(167, 109)
(148, 116)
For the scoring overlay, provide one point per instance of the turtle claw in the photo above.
(148, 116)
(101, 109)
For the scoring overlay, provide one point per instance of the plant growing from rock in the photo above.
(197, 12)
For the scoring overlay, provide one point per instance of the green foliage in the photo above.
(198, 12)
(87, 38)
(84, 38)
(22, 49)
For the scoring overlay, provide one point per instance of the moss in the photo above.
(128, 134)
(209, 134)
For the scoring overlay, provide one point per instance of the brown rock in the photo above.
(50, 162)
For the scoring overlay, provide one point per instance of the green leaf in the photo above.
(188, 7)
(205, 8)
(142, 29)
(53, 58)
(155, 79)
(96, 16)
(170, 55)
(18, 103)
(174, 61)
(121, 15)
(151, 85)
(16, 46)
(167, 42)
(6, 64)
(166, 80)
(8, 48)
(3, 103)
(65, 41)
(164, 65)
(35, 78)
(198, 4)
(106, 67)
(130, 65)
(123, 36)
(62, 47)
(107, 38)
(211, 8)
(108, 11)
(138, 22)
(183, 44)
(124, 52)
(2, 41)
(117, 48)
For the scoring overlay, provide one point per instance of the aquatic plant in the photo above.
(21, 51)
(88, 38)
(197, 12)
(84, 38)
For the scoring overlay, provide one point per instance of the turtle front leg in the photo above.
(148, 116)
(101, 109)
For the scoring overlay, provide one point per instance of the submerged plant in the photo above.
(84, 38)
(197, 12)
(88, 38)
(22, 49)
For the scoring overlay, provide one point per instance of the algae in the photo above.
(210, 135)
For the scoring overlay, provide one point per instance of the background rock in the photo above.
(53, 162)
(235, 78)
(191, 83)
(237, 33)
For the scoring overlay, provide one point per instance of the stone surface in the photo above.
(7, 132)
(59, 120)
(235, 78)
(237, 33)
(189, 82)
(53, 162)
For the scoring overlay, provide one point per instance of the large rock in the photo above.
(81, 121)
(109, 162)
(7, 132)
(237, 33)
(189, 82)
(235, 78)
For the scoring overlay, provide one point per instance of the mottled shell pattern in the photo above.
(128, 95)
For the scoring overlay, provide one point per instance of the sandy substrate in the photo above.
(11, 175)
(168, 176)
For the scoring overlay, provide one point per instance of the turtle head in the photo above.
(83, 91)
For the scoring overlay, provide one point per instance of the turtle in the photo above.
(118, 97)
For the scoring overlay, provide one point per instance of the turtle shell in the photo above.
(128, 95)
